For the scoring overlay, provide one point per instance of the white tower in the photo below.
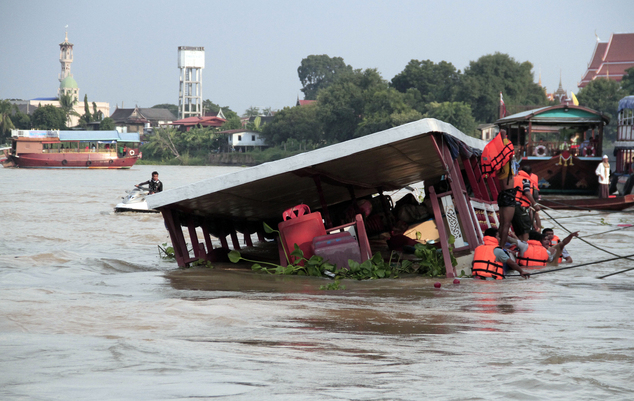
(67, 82)
(191, 61)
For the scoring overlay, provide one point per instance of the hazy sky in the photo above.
(126, 51)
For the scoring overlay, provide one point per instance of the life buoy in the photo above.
(588, 151)
(111, 161)
(540, 151)
(88, 163)
(131, 152)
(64, 162)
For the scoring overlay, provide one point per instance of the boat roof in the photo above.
(83, 136)
(390, 159)
(563, 114)
(626, 103)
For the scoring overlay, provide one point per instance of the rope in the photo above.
(619, 272)
(581, 265)
(609, 231)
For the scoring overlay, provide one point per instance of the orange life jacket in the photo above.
(554, 242)
(495, 155)
(535, 184)
(520, 196)
(535, 255)
(484, 261)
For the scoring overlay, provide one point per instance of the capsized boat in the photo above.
(135, 201)
(324, 179)
(72, 149)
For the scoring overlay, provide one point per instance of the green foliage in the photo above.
(191, 147)
(67, 103)
(97, 115)
(627, 83)
(384, 109)
(334, 286)
(432, 262)
(485, 78)
(251, 112)
(107, 124)
(48, 117)
(166, 252)
(171, 107)
(434, 82)
(603, 95)
(300, 123)
(208, 105)
(86, 117)
(317, 72)
(6, 123)
(232, 123)
(21, 120)
(203, 263)
(457, 114)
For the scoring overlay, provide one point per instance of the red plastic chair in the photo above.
(299, 227)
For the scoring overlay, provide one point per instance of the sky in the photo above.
(125, 52)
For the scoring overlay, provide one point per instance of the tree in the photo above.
(384, 109)
(171, 107)
(48, 117)
(457, 114)
(232, 123)
(97, 115)
(318, 72)
(603, 95)
(435, 82)
(107, 124)
(491, 74)
(300, 123)
(21, 120)
(341, 106)
(67, 103)
(6, 125)
(86, 117)
(627, 83)
(208, 105)
(251, 112)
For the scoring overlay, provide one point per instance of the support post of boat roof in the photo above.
(471, 176)
(440, 225)
(176, 235)
(493, 187)
(193, 236)
(386, 209)
(452, 169)
(600, 141)
(322, 200)
(260, 235)
(247, 238)
(234, 239)
(530, 137)
(210, 246)
(472, 216)
(223, 241)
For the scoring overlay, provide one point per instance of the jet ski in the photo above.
(135, 201)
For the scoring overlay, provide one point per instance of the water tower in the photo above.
(191, 61)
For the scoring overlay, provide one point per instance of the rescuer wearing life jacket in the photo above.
(554, 240)
(491, 261)
(522, 221)
(537, 251)
(496, 159)
(537, 222)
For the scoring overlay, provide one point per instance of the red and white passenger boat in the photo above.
(72, 149)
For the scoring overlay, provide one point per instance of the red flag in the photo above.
(502, 107)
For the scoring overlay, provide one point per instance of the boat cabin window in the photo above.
(626, 124)
(579, 142)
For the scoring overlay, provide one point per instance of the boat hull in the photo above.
(616, 203)
(73, 160)
(559, 175)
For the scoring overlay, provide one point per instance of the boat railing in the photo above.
(78, 150)
(555, 148)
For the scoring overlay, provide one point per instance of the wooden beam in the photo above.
(440, 225)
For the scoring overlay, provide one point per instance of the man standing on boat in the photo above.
(497, 158)
(603, 171)
(154, 184)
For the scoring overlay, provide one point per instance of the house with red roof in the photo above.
(610, 59)
(186, 124)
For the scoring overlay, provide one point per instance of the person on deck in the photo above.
(491, 261)
(497, 158)
(554, 240)
(154, 184)
(603, 171)
(537, 251)
(522, 220)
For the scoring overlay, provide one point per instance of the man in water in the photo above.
(154, 184)
(491, 261)
(532, 253)
(554, 240)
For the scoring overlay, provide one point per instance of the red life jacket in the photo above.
(520, 196)
(535, 184)
(554, 242)
(535, 255)
(484, 261)
(495, 155)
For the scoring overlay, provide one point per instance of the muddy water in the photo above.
(89, 311)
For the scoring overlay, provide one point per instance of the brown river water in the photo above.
(88, 311)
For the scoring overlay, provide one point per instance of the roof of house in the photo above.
(138, 115)
(305, 102)
(237, 131)
(610, 59)
(206, 121)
